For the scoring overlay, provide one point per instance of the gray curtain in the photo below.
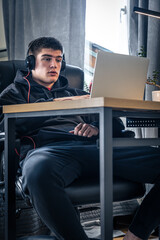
(26, 20)
(145, 31)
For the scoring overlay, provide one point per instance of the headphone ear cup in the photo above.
(63, 63)
(30, 62)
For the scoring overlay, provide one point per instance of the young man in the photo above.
(57, 150)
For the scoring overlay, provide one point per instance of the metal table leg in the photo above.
(106, 177)
(10, 220)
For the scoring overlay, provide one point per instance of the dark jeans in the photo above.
(47, 170)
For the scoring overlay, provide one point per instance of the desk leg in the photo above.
(106, 175)
(10, 220)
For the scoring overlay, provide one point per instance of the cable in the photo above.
(29, 86)
(34, 144)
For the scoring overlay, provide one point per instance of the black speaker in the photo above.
(30, 62)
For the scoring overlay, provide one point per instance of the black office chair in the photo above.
(82, 191)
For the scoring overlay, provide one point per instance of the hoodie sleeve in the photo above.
(93, 119)
(118, 126)
(11, 95)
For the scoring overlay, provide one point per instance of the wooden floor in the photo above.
(151, 237)
(123, 223)
(120, 223)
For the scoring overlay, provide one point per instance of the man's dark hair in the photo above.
(36, 45)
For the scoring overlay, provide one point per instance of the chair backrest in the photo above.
(8, 69)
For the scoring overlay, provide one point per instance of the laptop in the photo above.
(119, 76)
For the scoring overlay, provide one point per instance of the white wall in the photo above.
(103, 25)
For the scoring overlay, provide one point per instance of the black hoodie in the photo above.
(45, 130)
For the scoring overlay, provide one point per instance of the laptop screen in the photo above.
(119, 76)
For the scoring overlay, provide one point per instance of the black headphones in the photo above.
(30, 60)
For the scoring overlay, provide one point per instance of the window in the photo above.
(106, 29)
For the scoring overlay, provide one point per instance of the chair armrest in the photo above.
(2, 166)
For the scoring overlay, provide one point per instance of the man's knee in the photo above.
(33, 173)
(38, 172)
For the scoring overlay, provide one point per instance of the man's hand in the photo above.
(72, 98)
(85, 130)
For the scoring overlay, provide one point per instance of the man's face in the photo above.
(47, 67)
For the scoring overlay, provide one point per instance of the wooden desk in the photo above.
(106, 108)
